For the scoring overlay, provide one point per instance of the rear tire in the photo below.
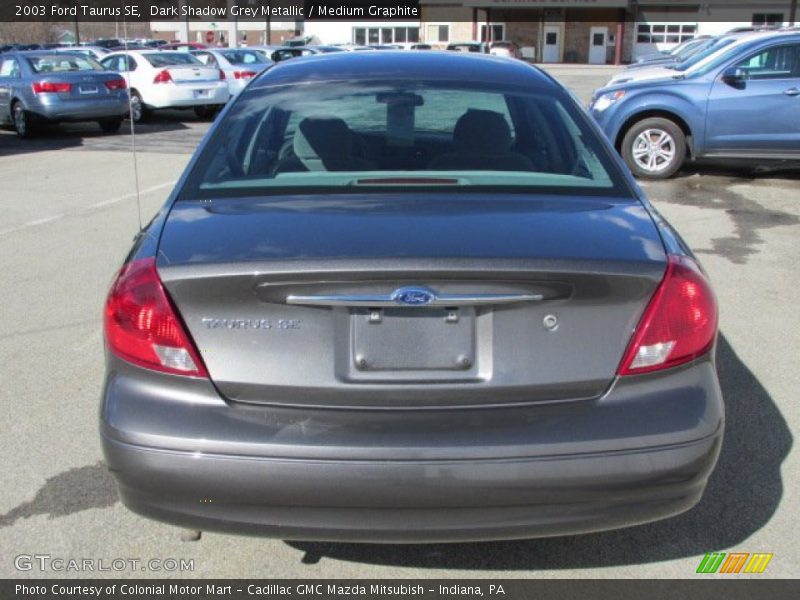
(205, 112)
(110, 125)
(654, 148)
(21, 120)
(138, 113)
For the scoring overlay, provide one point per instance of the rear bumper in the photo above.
(52, 108)
(184, 95)
(395, 476)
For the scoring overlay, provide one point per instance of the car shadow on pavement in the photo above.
(86, 135)
(742, 495)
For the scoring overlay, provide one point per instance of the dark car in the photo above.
(475, 47)
(741, 103)
(409, 297)
(287, 52)
(57, 86)
(108, 43)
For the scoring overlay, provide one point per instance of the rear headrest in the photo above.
(322, 137)
(482, 131)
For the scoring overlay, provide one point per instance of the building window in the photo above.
(768, 19)
(385, 35)
(664, 33)
(498, 32)
(437, 33)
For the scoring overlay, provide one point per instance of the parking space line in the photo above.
(91, 207)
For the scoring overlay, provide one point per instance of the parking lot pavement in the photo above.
(68, 217)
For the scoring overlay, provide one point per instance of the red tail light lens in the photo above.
(163, 77)
(116, 84)
(143, 327)
(679, 324)
(54, 87)
(244, 74)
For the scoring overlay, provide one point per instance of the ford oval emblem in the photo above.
(413, 296)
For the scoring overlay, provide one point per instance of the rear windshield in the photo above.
(168, 59)
(344, 136)
(243, 57)
(59, 63)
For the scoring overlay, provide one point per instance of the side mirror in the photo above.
(734, 76)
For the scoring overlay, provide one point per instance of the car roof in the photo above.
(141, 51)
(402, 65)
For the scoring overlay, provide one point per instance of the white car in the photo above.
(239, 65)
(167, 79)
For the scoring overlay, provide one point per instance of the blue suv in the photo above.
(742, 102)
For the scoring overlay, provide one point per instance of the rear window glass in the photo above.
(63, 62)
(243, 57)
(341, 135)
(168, 59)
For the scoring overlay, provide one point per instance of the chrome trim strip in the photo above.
(380, 300)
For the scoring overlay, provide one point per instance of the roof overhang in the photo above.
(512, 4)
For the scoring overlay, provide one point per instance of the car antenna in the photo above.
(133, 128)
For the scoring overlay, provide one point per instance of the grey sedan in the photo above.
(38, 87)
(407, 297)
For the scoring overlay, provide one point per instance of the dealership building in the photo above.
(594, 31)
(571, 31)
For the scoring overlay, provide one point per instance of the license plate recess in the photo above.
(413, 339)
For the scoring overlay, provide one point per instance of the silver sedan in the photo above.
(38, 87)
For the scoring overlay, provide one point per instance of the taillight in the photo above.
(55, 87)
(222, 74)
(143, 327)
(163, 77)
(678, 325)
(116, 84)
(244, 74)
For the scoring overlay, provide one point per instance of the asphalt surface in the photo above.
(68, 216)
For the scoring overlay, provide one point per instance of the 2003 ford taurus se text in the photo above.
(404, 298)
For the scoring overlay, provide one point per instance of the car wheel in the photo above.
(21, 120)
(654, 148)
(138, 113)
(110, 125)
(204, 112)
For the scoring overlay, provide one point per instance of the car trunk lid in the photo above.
(193, 74)
(408, 302)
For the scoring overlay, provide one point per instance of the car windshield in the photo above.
(58, 63)
(690, 48)
(715, 60)
(243, 57)
(168, 59)
(698, 57)
(342, 135)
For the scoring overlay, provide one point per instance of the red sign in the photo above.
(210, 35)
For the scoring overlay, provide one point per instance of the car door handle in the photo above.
(792, 91)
